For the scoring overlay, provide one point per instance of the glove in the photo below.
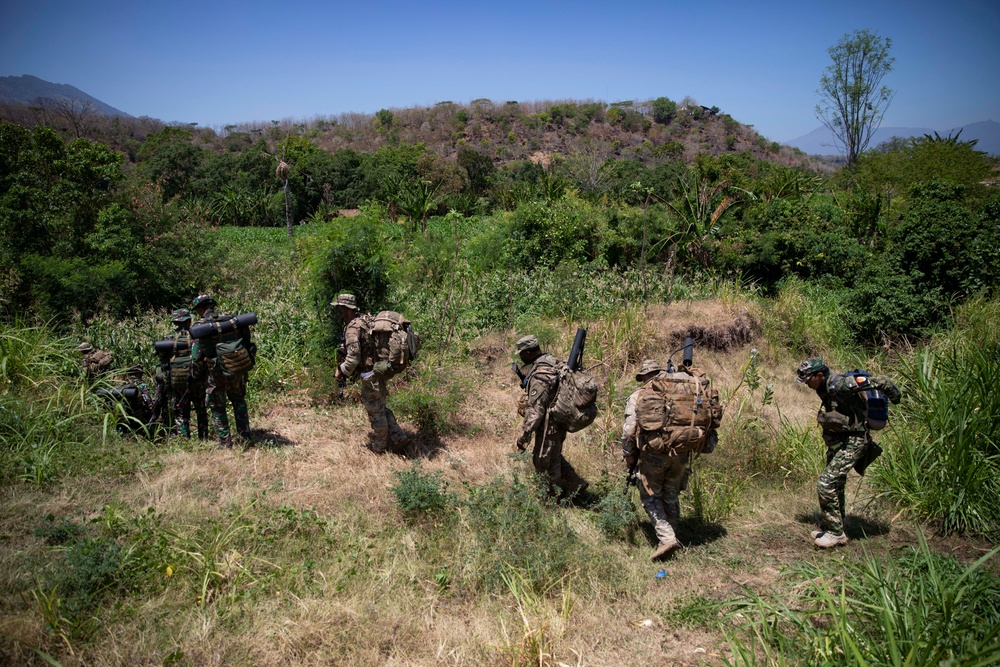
(382, 368)
(523, 440)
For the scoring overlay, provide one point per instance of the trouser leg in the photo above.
(236, 390)
(841, 457)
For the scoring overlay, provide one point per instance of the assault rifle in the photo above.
(341, 355)
(632, 479)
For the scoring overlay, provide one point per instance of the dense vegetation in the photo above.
(99, 243)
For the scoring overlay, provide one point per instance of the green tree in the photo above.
(664, 110)
(852, 101)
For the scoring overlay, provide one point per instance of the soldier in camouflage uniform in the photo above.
(846, 435)
(219, 388)
(360, 362)
(661, 477)
(95, 362)
(541, 382)
(185, 391)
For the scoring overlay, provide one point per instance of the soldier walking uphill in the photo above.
(541, 384)
(222, 385)
(185, 391)
(845, 432)
(361, 361)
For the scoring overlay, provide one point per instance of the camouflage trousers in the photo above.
(841, 454)
(549, 462)
(385, 431)
(220, 391)
(661, 479)
(180, 405)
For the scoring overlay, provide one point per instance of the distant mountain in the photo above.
(27, 89)
(821, 142)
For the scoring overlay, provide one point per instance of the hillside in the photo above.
(30, 90)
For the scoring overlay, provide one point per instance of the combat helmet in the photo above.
(181, 316)
(202, 300)
(810, 367)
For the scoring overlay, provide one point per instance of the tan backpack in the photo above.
(575, 403)
(394, 340)
(676, 412)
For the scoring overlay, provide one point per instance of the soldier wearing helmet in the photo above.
(845, 432)
(220, 388)
(95, 362)
(360, 361)
(183, 389)
(541, 373)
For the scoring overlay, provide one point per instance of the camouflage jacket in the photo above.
(360, 357)
(842, 394)
(540, 390)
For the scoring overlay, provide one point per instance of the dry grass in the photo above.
(374, 599)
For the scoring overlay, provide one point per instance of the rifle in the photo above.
(631, 479)
(341, 355)
(520, 374)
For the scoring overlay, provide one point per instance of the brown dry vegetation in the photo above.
(377, 602)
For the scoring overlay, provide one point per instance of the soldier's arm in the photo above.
(539, 394)
(847, 384)
(352, 358)
(629, 444)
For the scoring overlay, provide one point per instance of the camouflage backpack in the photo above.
(575, 403)
(676, 412)
(394, 340)
(180, 361)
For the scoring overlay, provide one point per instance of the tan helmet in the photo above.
(345, 300)
(647, 367)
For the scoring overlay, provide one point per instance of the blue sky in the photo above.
(226, 62)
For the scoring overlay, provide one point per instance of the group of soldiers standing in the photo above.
(191, 376)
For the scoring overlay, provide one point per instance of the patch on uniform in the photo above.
(861, 379)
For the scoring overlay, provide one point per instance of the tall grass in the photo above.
(944, 463)
(807, 319)
(919, 609)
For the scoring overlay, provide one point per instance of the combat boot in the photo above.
(226, 442)
(665, 548)
(829, 540)
(817, 533)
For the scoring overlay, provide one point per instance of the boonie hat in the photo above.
(646, 367)
(525, 343)
(808, 368)
(345, 300)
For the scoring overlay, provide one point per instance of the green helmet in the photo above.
(810, 367)
(202, 300)
(180, 316)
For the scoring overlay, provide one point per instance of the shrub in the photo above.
(421, 494)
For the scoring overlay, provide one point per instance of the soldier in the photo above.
(220, 388)
(184, 390)
(846, 435)
(541, 382)
(660, 476)
(360, 362)
(140, 404)
(95, 362)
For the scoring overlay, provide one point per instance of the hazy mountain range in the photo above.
(27, 89)
(986, 133)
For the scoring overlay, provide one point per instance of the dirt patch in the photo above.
(713, 325)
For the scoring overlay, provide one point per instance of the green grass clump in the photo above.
(420, 494)
(921, 608)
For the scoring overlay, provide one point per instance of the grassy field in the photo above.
(305, 548)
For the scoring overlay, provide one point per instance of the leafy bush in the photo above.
(513, 529)
(421, 494)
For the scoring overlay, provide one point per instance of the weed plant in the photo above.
(920, 608)
(421, 495)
